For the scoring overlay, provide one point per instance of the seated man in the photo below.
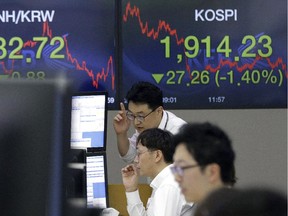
(203, 160)
(153, 159)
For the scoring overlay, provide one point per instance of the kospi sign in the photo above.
(215, 15)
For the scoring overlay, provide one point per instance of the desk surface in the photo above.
(117, 196)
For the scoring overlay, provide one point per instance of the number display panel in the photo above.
(50, 39)
(207, 54)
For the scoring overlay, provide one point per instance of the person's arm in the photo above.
(122, 143)
(121, 126)
(135, 206)
(130, 179)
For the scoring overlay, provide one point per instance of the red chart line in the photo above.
(82, 66)
(166, 28)
(95, 77)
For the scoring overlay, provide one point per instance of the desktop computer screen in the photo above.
(89, 120)
(96, 180)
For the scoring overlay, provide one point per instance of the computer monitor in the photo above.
(34, 141)
(96, 180)
(89, 120)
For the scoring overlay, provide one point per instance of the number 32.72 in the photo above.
(18, 44)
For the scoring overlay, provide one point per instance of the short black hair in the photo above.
(251, 201)
(145, 93)
(208, 144)
(158, 139)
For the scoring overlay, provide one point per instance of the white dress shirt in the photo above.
(166, 198)
(169, 122)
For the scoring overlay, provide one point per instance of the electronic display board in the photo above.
(50, 39)
(207, 54)
(202, 54)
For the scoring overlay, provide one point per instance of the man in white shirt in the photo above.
(154, 158)
(145, 110)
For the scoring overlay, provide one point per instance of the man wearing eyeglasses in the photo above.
(203, 160)
(153, 159)
(145, 110)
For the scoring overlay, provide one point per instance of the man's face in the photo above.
(192, 180)
(144, 161)
(142, 110)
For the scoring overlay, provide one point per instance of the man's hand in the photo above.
(130, 178)
(121, 123)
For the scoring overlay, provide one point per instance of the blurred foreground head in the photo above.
(245, 202)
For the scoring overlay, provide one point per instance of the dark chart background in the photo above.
(253, 74)
(85, 53)
(78, 42)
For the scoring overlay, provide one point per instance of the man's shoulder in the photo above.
(174, 122)
(174, 117)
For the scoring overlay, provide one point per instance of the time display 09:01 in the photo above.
(192, 46)
(18, 44)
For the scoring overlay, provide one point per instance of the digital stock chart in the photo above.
(202, 54)
(208, 54)
(73, 39)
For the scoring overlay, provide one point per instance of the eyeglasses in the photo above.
(139, 118)
(140, 153)
(178, 170)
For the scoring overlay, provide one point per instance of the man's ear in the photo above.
(213, 172)
(158, 156)
(159, 110)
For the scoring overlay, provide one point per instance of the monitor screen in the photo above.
(41, 39)
(89, 120)
(207, 54)
(96, 180)
(34, 143)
